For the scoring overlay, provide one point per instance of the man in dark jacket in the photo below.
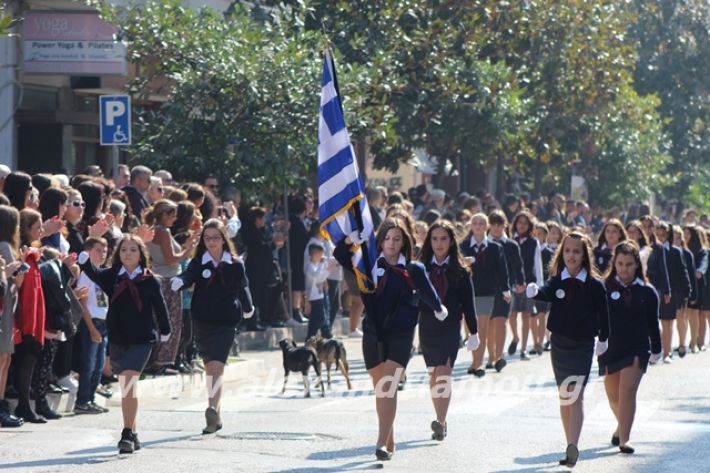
(135, 191)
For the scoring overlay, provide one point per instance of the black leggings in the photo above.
(43, 370)
(26, 355)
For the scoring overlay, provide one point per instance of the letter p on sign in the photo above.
(115, 119)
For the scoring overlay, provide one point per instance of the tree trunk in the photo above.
(537, 188)
(500, 185)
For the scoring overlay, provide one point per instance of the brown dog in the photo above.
(331, 352)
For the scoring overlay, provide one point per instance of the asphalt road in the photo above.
(507, 422)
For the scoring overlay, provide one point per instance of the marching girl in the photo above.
(388, 329)
(578, 314)
(611, 234)
(679, 283)
(220, 299)
(134, 296)
(440, 340)
(696, 244)
(682, 313)
(636, 233)
(516, 279)
(532, 269)
(547, 252)
(490, 279)
(633, 315)
(705, 312)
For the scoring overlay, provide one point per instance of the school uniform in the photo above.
(657, 271)
(706, 286)
(220, 300)
(135, 303)
(547, 252)
(578, 313)
(532, 270)
(440, 340)
(678, 279)
(701, 266)
(635, 331)
(689, 260)
(514, 262)
(393, 308)
(489, 272)
(602, 257)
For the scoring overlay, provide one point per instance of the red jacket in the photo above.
(31, 312)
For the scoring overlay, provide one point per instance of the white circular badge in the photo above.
(206, 273)
(560, 293)
(601, 260)
(615, 295)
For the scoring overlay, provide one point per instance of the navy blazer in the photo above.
(459, 301)
(489, 269)
(578, 309)
(634, 325)
(396, 308)
(657, 270)
(513, 259)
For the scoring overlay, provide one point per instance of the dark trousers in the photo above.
(318, 320)
(42, 373)
(333, 299)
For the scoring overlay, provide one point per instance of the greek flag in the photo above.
(341, 194)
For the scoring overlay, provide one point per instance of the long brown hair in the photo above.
(219, 226)
(696, 242)
(614, 222)
(457, 266)
(531, 223)
(144, 257)
(558, 261)
(387, 225)
(10, 228)
(28, 217)
(629, 248)
(642, 231)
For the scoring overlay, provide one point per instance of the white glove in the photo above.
(532, 290)
(176, 283)
(602, 347)
(655, 358)
(164, 338)
(357, 237)
(248, 315)
(441, 314)
(83, 257)
(473, 342)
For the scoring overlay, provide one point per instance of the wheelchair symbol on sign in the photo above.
(119, 136)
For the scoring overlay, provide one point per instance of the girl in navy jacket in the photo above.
(392, 313)
(220, 299)
(490, 280)
(696, 244)
(634, 341)
(578, 314)
(682, 314)
(134, 298)
(440, 340)
(611, 234)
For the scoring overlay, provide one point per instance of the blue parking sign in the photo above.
(115, 111)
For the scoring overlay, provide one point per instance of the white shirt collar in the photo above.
(377, 272)
(226, 257)
(604, 246)
(637, 281)
(474, 242)
(401, 261)
(522, 238)
(136, 272)
(666, 245)
(433, 261)
(581, 275)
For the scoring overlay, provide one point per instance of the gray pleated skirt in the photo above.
(571, 358)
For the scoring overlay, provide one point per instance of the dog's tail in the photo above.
(340, 355)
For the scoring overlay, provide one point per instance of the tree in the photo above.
(239, 94)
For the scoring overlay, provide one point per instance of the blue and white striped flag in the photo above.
(340, 190)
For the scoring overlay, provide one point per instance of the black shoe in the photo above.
(88, 408)
(500, 364)
(615, 440)
(214, 423)
(489, 366)
(54, 389)
(479, 373)
(512, 347)
(28, 415)
(7, 420)
(402, 382)
(127, 442)
(382, 454)
(572, 455)
(524, 356)
(109, 379)
(470, 370)
(298, 317)
(682, 352)
(628, 449)
(136, 442)
(439, 430)
(42, 408)
(546, 347)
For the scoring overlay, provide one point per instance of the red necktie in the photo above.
(218, 270)
(125, 282)
(439, 280)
